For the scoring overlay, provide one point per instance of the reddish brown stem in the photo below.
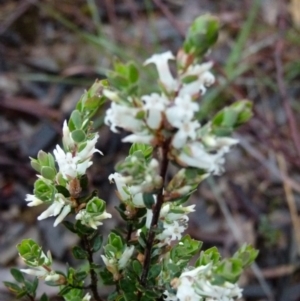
(156, 212)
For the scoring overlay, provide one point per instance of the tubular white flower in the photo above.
(164, 73)
(185, 131)
(89, 149)
(196, 156)
(111, 95)
(61, 207)
(67, 139)
(172, 231)
(123, 117)
(226, 292)
(120, 182)
(42, 273)
(218, 142)
(182, 110)
(204, 79)
(169, 297)
(33, 200)
(141, 137)
(65, 211)
(185, 291)
(38, 272)
(87, 297)
(154, 104)
(124, 259)
(91, 219)
(67, 163)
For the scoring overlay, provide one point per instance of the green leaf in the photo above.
(144, 148)
(14, 288)
(80, 276)
(208, 256)
(65, 290)
(202, 34)
(133, 72)
(48, 173)
(35, 165)
(93, 103)
(17, 275)
(154, 271)
(63, 190)
(79, 253)
(137, 267)
(97, 243)
(70, 226)
(43, 158)
(129, 290)
(82, 229)
(148, 200)
(78, 136)
(76, 119)
(247, 254)
(107, 277)
(44, 297)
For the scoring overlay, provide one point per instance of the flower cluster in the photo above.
(40, 266)
(156, 117)
(173, 220)
(197, 285)
(117, 255)
(72, 164)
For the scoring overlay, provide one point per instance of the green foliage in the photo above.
(231, 117)
(124, 77)
(32, 253)
(202, 34)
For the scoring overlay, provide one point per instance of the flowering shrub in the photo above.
(152, 260)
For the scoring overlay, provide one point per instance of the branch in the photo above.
(156, 212)
(94, 278)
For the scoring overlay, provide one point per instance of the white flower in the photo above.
(114, 265)
(183, 109)
(120, 182)
(89, 149)
(124, 259)
(67, 139)
(123, 117)
(195, 284)
(61, 207)
(141, 137)
(67, 163)
(195, 155)
(186, 292)
(43, 273)
(111, 95)
(226, 292)
(87, 297)
(164, 73)
(204, 79)
(135, 197)
(172, 216)
(214, 142)
(169, 296)
(111, 264)
(33, 200)
(186, 130)
(155, 105)
(91, 219)
(172, 231)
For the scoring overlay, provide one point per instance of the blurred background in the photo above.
(50, 51)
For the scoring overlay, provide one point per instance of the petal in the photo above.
(63, 214)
